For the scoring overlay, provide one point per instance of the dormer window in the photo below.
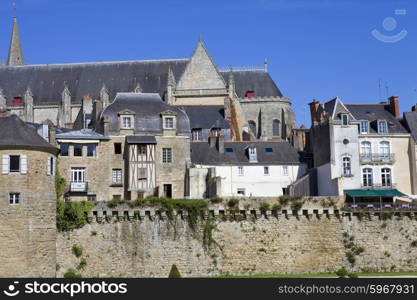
(345, 119)
(250, 94)
(382, 127)
(126, 122)
(169, 123)
(252, 155)
(364, 127)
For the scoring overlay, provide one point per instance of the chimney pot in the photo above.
(394, 106)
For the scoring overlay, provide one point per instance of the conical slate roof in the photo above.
(15, 133)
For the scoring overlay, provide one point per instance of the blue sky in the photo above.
(315, 49)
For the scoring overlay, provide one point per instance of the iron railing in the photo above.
(377, 158)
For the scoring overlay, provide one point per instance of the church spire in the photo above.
(15, 50)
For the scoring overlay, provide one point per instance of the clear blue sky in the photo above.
(316, 49)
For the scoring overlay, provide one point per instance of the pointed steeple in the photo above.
(171, 78)
(15, 50)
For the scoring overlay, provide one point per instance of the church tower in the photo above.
(15, 50)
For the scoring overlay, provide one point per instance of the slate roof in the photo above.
(83, 134)
(206, 116)
(374, 112)
(15, 133)
(47, 81)
(147, 108)
(410, 119)
(283, 154)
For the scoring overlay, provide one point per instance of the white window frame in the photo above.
(169, 122)
(116, 175)
(367, 177)
(385, 149)
(386, 175)
(14, 198)
(127, 122)
(240, 171)
(197, 134)
(285, 170)
(382, 127)
(78, 174)
(366, 149)
(364, 127)
(347, 166)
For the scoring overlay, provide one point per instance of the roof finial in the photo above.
(266, 64)
(14, 9)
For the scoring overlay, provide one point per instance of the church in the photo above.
(240, 104)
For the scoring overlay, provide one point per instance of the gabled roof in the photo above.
(15, 133)
(206, 116)
(375, 112)
(282, 154)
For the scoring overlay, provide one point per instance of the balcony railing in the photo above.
(80, 187)
(377, 158)
(378, 186)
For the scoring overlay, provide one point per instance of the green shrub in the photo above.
(215, 200)
(77, 250)
(296, 205)
(414, 243)
(174, 273)
(60, 183)
(72, 215)
(93, 233)
(386, 215)
(383, 225)
(209, 226)
(71, 274)
(350, 257)
(285, 199)
(276, 207)
(82, 264)
(342, 273)
(358, 250)
(232, 203)
(352, 275)
(115, 202)
(264, 206)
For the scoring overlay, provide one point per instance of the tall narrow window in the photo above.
(78, 150)
(168, 122)
(127, 122)
(240, 171)
(167, 155)
(345, 119)
(386, 177)
(367, 179)
(14, 198)
(366, 150)
(51, 166)
(117, 176)
(364, 127)
(276, 128)
(384, 150)
(142, 150)
(117, 148)
(78, 174)
(285, 170)
(382, 127)
(91, 150)
(252, 127)
(14, 163)
(64, 149)
(347, 170)
(266, 171)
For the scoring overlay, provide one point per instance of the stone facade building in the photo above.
(27, 206)
(63, 93)
(139, 147)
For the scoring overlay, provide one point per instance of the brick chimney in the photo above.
(393, 106)
(314, 107)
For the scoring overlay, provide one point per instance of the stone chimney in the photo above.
(212, 141)
(394, 106)
(314, 107)
(52, 135)
(87, 104)
(97, 108)
(220, 144)
(106, 126)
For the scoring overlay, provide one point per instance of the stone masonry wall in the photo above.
(251, 243)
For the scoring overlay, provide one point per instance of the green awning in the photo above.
(375, 193)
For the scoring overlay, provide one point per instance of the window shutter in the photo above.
(48, 171)
(23, 164)
(6, 164)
